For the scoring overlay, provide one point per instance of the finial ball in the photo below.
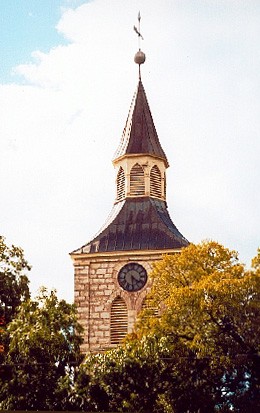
(139, 57)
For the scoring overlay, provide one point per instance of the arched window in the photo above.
(137, 185)
(120, 184)
(151, 309)
(155, 182)
(118, 321)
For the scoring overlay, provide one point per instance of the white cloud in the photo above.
(59, 130)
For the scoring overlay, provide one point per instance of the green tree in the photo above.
(14, 289)
(14, 283)
(123, 379)
(146, 375)
(42, 356)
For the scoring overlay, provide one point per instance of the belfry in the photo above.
(112, 269)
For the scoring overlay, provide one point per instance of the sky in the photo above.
(67, 78)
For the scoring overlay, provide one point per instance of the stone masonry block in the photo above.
(105, 315)
(108, 292)
(99, 308)
(101, 271)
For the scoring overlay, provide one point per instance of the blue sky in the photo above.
(67, 79)
(25, 26)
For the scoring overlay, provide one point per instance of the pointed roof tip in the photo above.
(139, 135)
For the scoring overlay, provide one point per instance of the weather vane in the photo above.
(139, 56)
(138, 30)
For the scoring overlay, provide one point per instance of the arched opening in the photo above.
(155, 182)
(118, 321)
(137, 185)
(120, 184)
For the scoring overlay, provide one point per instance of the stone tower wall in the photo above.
(96, 287)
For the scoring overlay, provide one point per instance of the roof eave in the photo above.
(136, 155)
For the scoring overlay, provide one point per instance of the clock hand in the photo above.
(136, 277)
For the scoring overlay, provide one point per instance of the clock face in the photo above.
(132, 277)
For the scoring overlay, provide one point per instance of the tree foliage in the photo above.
(14, 289)
(121, 379)
(43, 353)
(209, 303)
(146, 375)
(207, 299)
(14, 283)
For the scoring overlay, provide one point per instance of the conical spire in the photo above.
(139, 135)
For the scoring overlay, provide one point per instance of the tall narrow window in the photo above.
(155, 182)
(137, 185)
(120, 184)
(164, 185)
(118, 321)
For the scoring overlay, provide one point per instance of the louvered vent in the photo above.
(147, 305)
(118, 321)
(155, 182)
(120, 184)
(137, 185)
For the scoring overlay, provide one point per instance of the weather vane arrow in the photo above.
(137, 30)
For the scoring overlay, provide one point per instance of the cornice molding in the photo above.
(123, 254)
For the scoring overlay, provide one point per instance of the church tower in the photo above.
(112, 270)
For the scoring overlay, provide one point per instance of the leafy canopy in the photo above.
(207, 299)
(209, 303)
(43, 351)
(14, 283)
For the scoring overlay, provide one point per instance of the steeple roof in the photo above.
(139, 135)
(136, 224)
